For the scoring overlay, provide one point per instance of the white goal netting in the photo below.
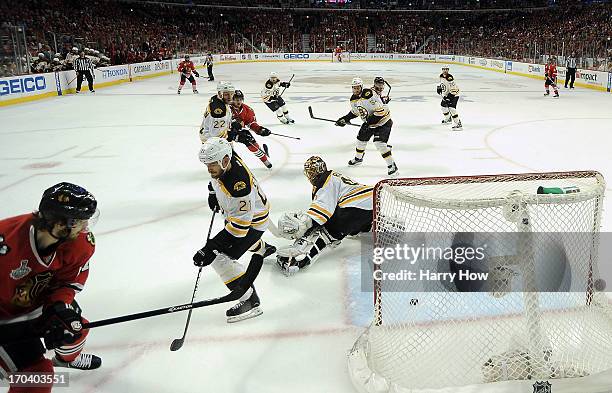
(540, 315)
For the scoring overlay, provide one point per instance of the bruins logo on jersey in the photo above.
(218, 111)
(27, 293)
(366, 93)
(238, 186)
(448, 77)
(269, 85)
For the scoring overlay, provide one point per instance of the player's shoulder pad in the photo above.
(217, 107)
(237, 180)
(269, 84)
(448, 77)
(80, 249)
(354, 97)
(367, 93)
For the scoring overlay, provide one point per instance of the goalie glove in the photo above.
(293, 225)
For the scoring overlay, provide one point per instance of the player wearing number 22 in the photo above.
(234, 191)
(44, 263)
(217, 121)
(340, 207)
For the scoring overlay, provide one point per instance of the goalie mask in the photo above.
(313, 168)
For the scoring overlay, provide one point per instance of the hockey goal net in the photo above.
(437, 336)
(341, 57)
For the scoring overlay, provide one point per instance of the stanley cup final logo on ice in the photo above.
(542, 387)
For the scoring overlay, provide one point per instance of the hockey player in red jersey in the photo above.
(44, 263)
(551, 77)
(246, 116)
(186, 68)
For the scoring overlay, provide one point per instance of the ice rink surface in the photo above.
(134, 146)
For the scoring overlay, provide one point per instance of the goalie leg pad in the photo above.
(305, 251)
(227, 268)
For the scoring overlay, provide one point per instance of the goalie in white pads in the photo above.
(377, 122)
(340, 207)
(449, 91)
(217, 120)
(234, 191)
(273, 100)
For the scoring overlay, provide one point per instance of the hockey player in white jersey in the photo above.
(379, 88)
(273, 100)
(377, 123)
(340, 207)
(449, 91)
(218, 115)
(234, 191)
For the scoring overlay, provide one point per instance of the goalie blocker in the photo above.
(340, 207)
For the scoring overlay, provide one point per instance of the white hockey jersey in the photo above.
(338, 191)
(448, 85)
(270, 91)
(217, 119)
(242, 201)
(369, 104)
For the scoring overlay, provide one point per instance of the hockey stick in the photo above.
(286, 136)
(329, 120)
(290, 79)
(177, 343)
(389, 92)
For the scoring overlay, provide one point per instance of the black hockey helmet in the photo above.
(67, 201)
(379, 79)
(186, 57)
(238, 94)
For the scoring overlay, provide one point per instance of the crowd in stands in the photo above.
(118, 32)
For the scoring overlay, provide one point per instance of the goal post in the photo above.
(537, 314)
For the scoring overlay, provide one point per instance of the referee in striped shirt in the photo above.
(84, 68)
(570, 73)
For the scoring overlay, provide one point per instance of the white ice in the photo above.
(135, 147)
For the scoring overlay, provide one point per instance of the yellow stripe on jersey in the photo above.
(260, 219)
(365, 194)
(314, 211)
(317, 217)
(355, 191)
(239, 222)
(319, 208)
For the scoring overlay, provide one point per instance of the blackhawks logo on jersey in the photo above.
(27, 293)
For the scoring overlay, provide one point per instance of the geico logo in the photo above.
(296, 56)
(112, 73)
(142, 68)
(22, 85)
(589, 77)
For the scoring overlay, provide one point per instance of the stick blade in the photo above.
(177, 343)
(310, 111)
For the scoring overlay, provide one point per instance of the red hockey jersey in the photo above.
(246, 116)
(28, 280)
(186, 67)
(551, 71)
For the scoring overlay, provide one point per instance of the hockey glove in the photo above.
(196, 73)
(264, 131)
(204, 256)
(236, 126)
(341, 122)
(245, 137)
(439, 90)
(285, 84)
(61, 325)
(213, 202)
